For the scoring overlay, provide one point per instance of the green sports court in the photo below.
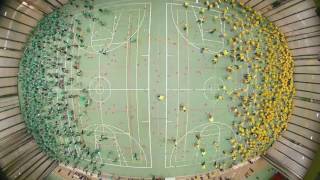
(145, 88)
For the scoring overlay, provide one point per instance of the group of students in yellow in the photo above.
(265, 103)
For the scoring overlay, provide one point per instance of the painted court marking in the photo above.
(100, 85)
(208, 88)
(201, 30)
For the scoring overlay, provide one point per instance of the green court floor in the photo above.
(135, 52)
(124, 85)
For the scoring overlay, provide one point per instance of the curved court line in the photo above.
(125, 133)
(194, 6)
(140, 147)
(187, 40)
(181, 138)
(123, 42)
(113, 30)
(114, 27)
(200, 27)
(216, 89)
(204, 128)
(206, 125)
(116, 139)
(119, 149)
(198, 24)
(94, 92)
(120, 153)
(178, 142)
(143, 19)
(92, 30)
(120, 43)
(185, 137)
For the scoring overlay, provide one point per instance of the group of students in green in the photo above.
(43, 79)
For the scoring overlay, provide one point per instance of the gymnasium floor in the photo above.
(125, 83)
(142, 50)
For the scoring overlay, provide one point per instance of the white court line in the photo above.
(221, 29)
(185, 165)
(201, 135)
(116, 140)
(193, 130)
(114, 28)
(95, 140)
(118, 165)
(196, 89)
(102, 39)
(120, 131)
(199, 26)
(128, 118)
(124, 42)
(178, 108)
(166, 136)
(92, 31)
(188, 94)
(99, 153)
(112, 89)
(149, 80)
(187, 40)
(174, 149)
(199, 7)
(137, 90)
(150, 142)
(119, 151)
(137, 99)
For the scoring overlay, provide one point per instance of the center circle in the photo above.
(99, 89)
(212, 87)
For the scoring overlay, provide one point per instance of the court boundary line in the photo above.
(178, 69)
(73, 89)
(188, 92)
(137, 99)
(166, 131)
(149, 47)
(127, 98)
(178, 90)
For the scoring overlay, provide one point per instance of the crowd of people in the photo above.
(263, 105)
(265, 102)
